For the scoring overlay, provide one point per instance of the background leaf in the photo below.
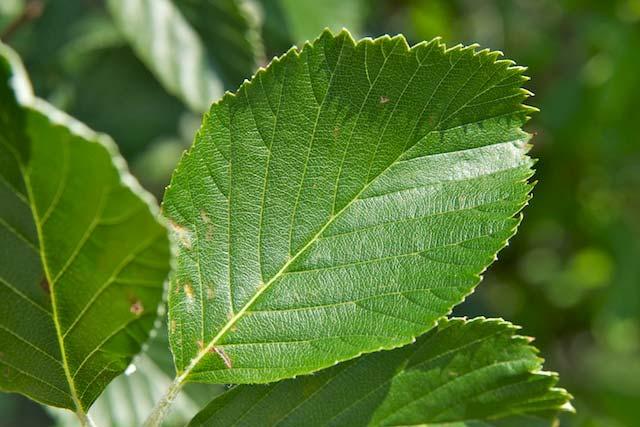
(83, 257)
(341, 202)
(196, 49)
(288, 22)
(129, 398)
(584, 59)
(462, 373)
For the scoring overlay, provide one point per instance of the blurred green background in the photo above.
(571, 276)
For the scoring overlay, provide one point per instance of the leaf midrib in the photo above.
(48, 277)
(245, 308)
(237, 316)
(54, 316)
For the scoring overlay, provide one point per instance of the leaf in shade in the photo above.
(475, 373)
(82, 256)
(292, 21)
(341, 202)
(196, 49)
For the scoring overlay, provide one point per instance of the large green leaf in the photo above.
(341, 202)
(197, 49)
(462, 373)
(82, 257)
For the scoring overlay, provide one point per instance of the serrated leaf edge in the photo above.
(295, 51)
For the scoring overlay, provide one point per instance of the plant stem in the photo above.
(85, 420)
(32, 10)
(159, 412)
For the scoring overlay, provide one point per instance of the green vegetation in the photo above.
(341, 202)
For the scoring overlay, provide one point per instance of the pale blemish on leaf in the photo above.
(136, 307)
(383, 99)
(188, 292)
(209, 234)
(225, 358)
(182, 235)
(229, 319)
(204, 217)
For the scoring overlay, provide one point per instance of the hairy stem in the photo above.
(161, 409)
(85, 420)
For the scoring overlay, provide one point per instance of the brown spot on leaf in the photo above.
(383, 99)
(173, 326)
(225, 358)
(44, 285)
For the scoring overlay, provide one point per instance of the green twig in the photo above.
(32, 10)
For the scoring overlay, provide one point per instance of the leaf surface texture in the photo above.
(474, 373)
(82, 256)
(341, 202)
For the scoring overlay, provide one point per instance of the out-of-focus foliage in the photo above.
(129, 398)
(288, 22)
(571, 276)
(196, 49)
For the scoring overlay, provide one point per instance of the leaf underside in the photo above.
(196, 49)
(82, 256)
(341, 202)
(462, 373)
(293, 22)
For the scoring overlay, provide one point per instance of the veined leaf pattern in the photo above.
(475, 373)
(341, 202)
(82, 256)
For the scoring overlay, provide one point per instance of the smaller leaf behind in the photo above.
(462, 373)
(83, 257)
(196, 49)
(288, 22)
